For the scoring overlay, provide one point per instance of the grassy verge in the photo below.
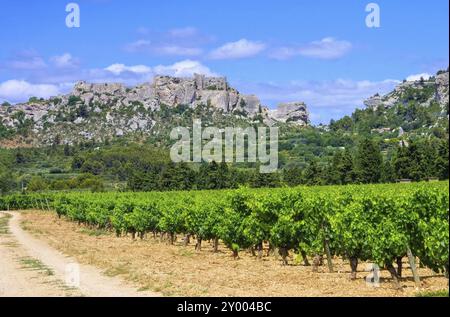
(4, 224)
(440, 293)
(35, 265)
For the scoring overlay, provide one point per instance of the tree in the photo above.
(369, 162)
(292, 176)
(402, 162)
(68, 151)
(387, 172)
(7, 182)
(312, 175)
(442, 160)
(342, 171)
(223, 175)
(37, 183)
(93, 167)
(268, 180)
(20, 157)
(344, 124)
(213, 176)
(422, 159)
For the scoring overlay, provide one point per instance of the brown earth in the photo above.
(181, 271)
(30, 267)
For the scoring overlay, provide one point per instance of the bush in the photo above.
(73, 100)
(37, 183)
(56, 170)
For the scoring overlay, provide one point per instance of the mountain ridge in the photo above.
(95, 111)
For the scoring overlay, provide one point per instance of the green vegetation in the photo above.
(4, 223)
(148, 168)
(36, 265)
(440, 293)
(377, 223)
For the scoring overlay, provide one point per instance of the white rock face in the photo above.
(173, 91)
(442, 88)
(211, 91)
(81, 88)
(250, 104)
(439, 84)
(374, 102)
(100, 111)
(295, 112)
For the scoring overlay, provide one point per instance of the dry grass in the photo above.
(182, 271)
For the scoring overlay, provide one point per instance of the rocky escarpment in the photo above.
(291, 112)
(103, 111)
(435, 89)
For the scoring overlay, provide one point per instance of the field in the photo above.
(303, 241)
(180, 270)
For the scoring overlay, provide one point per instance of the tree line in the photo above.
(145, 168)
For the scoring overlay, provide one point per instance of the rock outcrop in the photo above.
(434, 89)
(97, 111)
(442, 88)
(295, 112)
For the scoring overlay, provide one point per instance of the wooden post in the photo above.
(412, 264)
(329, 262)
(327, 251)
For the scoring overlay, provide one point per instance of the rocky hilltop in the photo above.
(107, 110)
(434, 89)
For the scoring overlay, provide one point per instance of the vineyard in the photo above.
(376, 223)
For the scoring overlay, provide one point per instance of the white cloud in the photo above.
(26, 60)
(65, 61)
(327, 48)
(51, 85)
(175, 50)
(138, 46)
(141, 73)
(184, 68)
(183, 32)
(143, 30)
(283, 53)
(20, 90)
(417, 77)
(240, 49)
(326, 99)
(118, 69)
(146, 46)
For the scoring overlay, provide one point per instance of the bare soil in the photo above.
(178, 270)
(30, 267)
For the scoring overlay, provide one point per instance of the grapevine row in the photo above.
(377, 223)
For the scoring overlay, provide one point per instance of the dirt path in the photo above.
(64, 277)
(21, 275)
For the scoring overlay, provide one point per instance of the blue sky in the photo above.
(320, 51)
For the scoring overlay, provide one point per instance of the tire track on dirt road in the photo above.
(15, 281)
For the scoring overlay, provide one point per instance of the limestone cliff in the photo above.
(107, 110)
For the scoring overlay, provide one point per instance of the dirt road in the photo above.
(30, 267)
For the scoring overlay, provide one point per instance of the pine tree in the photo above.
(369, 162)
(313, 174)
(442, 160)
(387, 172)
(341, 171)
(402, 163)
(292, 176)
